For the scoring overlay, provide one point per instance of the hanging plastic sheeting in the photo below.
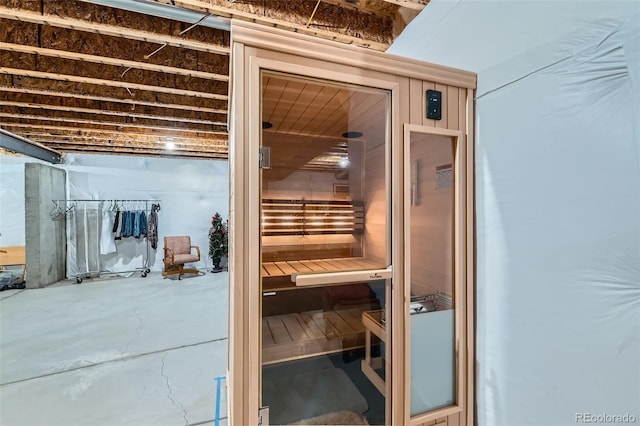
(83, 257)
(557, 202)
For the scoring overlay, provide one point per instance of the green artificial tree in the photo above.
(218, 241)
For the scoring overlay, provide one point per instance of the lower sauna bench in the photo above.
(299, 335)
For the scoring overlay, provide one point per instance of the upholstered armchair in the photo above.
(177, 252)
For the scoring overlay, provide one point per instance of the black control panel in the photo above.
(434, 104)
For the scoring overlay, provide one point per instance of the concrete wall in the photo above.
(45, 237)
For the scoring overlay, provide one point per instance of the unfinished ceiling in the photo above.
(81, 77)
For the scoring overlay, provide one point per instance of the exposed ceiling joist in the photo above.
(75, 120)
(110, 30)
(65, 66)
(409, 4)
(63, 54)
(154, 145)
(225, 11)
(112, 83)
(172, 130)
(46, 136)
(127, 114)
(139, 151)
(61, 94)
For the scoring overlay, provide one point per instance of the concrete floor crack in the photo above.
(169, 395)
(140, 324)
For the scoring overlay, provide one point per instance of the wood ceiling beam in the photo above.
(102, 82)
(62, 108)
(139, 151)
(140, 137)
(91, 130)
(152, 145)
(110, 30)
(200, 5)
(63, 54)
(363, 7)
(409, 4)
(108, 99)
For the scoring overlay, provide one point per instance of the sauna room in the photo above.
(348, 205)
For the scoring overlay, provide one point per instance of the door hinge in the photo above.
(264, 161)
(263, 416)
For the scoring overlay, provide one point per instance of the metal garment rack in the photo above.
(64, 207)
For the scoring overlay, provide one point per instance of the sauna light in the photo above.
(344, 162)
(352, 135)
(170, 145)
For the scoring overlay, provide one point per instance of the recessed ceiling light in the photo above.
(351, 135)
(266, 125)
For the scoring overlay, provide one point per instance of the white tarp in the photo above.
(557, 202)
(12, 207)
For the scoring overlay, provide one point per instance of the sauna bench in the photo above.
(300, 335)
(288, 267)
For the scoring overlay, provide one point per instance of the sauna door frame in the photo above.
(296, 66)
(459, 257)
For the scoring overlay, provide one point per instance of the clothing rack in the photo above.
(65, 208)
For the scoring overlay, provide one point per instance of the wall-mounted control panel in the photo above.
(434, 104)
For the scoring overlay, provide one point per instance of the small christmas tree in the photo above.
(218, 241)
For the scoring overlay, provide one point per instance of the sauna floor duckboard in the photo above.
(300, 335)
(284, 268)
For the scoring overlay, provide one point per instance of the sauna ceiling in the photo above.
(77, 76)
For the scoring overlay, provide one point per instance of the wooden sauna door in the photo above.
(324, 249)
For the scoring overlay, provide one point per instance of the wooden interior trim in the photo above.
(109, 99)
(275, 23)
(237, 374)
(469, 111)
(326, 50)
(119, 125)
(57, 108)
(110, 30)
(112, 83)
(253, 174)
(63, 54)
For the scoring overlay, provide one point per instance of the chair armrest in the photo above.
(170, 254)
(197, 249)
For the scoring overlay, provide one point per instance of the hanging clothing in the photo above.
(107, 244)
(143, 223)
(117, 225)
(136, 224)
(152, 226)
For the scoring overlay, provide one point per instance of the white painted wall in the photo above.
(191, 191)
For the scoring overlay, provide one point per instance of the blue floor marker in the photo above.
(219, 379)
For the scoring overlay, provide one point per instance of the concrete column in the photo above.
(45, 238)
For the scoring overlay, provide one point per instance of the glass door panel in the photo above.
(431, 232)
(325, 249)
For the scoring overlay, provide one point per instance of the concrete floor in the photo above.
(114, 351)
